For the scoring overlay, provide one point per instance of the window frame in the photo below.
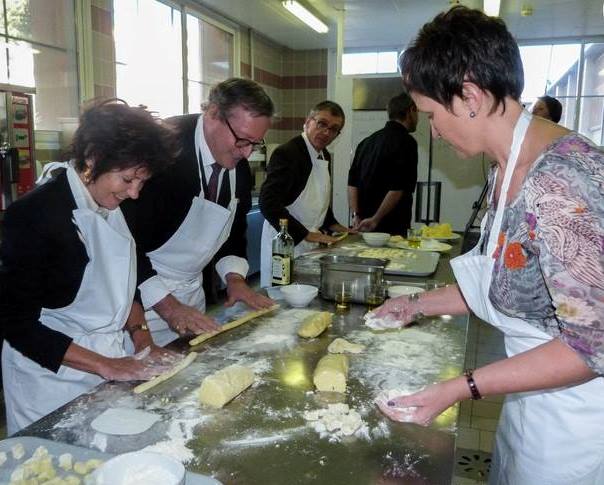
(579, 96)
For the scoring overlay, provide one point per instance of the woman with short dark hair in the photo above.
(548, 107)
(68, 272)
(536, 273)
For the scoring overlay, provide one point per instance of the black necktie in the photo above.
(213, 183)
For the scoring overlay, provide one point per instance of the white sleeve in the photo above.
(232, 264)
(152, 291)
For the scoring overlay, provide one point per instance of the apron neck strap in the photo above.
(520, 129)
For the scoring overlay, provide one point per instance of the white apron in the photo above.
(309, 209)
(180, 261)
(550, 437)
(95, 319)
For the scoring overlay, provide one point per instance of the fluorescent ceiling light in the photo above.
(305, 16)
(491, 7)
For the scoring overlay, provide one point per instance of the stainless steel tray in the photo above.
(56, 448)
(411, 263)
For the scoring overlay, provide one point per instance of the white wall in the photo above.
(462, 180)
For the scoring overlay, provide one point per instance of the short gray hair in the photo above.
(238, 92)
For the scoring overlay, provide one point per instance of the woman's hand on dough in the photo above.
(400, 309)
(133, 368)
(424, 406)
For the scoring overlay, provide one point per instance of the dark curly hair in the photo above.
(118, 137)
(461, 45)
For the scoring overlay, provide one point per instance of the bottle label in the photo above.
(281, 270)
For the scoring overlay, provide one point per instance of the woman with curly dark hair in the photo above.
(537, 272)
(68, 271)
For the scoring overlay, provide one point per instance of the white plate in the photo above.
(400, 290)
(452, 237)
(426, 245)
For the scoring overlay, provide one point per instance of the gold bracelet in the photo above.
(140, 326)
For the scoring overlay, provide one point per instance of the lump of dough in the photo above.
(343, 346)
(331, 372)
(219, 388)
(18, 451)
(66, 461)
(315, 324)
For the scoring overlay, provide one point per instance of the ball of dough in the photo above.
(315, 324)
(343, 346)
(331, 373)
(219, 388)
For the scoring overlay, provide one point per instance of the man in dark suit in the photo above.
(192, 220)
(383, 174)
(298, 186)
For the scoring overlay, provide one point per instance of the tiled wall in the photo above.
(295, 81)
(103, 49)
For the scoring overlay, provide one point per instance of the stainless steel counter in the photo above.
(261, 436)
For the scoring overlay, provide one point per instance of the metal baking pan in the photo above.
(413, 263)
(356, 272)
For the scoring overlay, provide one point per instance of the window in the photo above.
(149, 55)
(378, 62)
(573, 74)
(209, 55)
(37, 54)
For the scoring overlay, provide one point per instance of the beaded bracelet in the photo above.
(472, 385)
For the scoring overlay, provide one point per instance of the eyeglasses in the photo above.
(333, 130)
(244, 142)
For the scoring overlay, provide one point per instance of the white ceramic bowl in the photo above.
(400, 290)
(375, 239)
(299, 296)
(140, 467)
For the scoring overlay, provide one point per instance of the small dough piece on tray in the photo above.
(331, 373)
(315, 324)
(183, 364)
(219, 388)
(343, 346)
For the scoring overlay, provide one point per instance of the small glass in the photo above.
(342, 295)
(375, 295)
(414, 237)
(434, 284)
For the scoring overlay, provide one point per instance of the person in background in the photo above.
(68, 273)
(537, 272)
(195, 212)
(298, 186)
(382, 177)
(548, 108)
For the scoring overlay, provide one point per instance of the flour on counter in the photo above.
(403, 361)
(99, 441)
(269, 335)
(179, 432)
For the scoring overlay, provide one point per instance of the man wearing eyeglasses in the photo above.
(298, 186)
(191, 222)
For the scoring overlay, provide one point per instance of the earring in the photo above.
(472, 114)
(87, 175)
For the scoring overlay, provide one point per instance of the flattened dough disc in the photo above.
(124, 421)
